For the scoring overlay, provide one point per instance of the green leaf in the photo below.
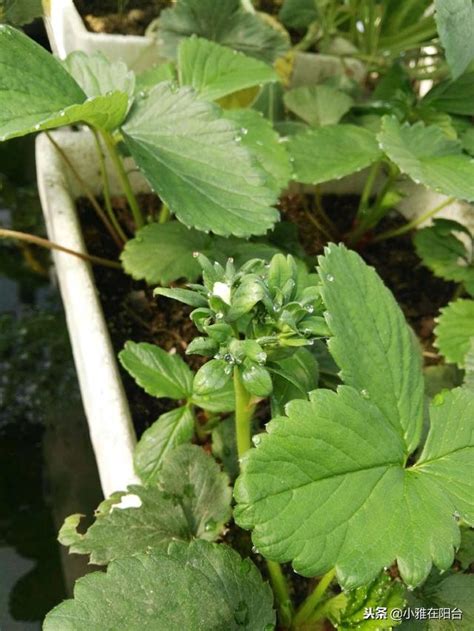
(318, 105)
(200, 586)
(98, 76)
(250, 291)
(257, 381)
(186, 296)
(465, 554)
(293, 378)
(455, 22)
(259, 137)
(445, 254)
(170, 430)
(156, 371)
(454, 97)
(149, 78)
(20, 12)
(331, 152)
(298, 14)
(428, 157)
(454, 331)
(190, 156)
(214, 375)
(216, 71)
(328, 485)
(191, 501)
(162, 253)
(226, 23)
(39, 94)
(222, 400)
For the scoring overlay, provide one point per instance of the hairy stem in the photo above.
(165, 214)
(414, 223)
(87, 192)
(243, 414)
(106, 184)
(368, 189)
(50, 245)
(308, 607)
(124, 179)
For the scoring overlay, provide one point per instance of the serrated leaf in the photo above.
(162, 253)
(446, 255)
(156, 371)
(170, 430)
(189, 154)
(293, 378)
(318, 105)
(428, 157)
(226, 23)
(454, 331)
(259, 137)
(191, 500)
(454, 97)
(200, 586)
(98, 76)
(298, 14)
(455, 22)
(331, 152)
(215, 71)
(317, 487)
(39, 94)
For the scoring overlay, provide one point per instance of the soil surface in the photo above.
(119, 16)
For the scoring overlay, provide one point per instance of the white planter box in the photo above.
(108, 415)
(112, 434)
(67, 33)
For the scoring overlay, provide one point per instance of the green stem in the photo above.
(50, 245)
(368, 188)
(309, 605)
(243, 414)
(124, 180)
(106, 184)
(281, 592)
(165, 214)
(389, 234)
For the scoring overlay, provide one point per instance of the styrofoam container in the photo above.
(67, 33)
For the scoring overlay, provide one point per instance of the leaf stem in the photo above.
(281, 592)
(106, 184)
(50, 245)
(165, 214)
(124, 179)
(389, 234)
(87, 191)
(243, 414)
(314, 599)
(368, 188)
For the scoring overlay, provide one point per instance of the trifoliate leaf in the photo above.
(329, 486)
(331, 152)
(191, 500)
(170, 430)
(428, 157)
(444, 253)
(39, 94)
(226, 23)
(98, 76)
(215, 71)
(318, 105)
(298, 14)
(200, 586)
(454, 331)
(190, 156)
(156, 371)
(455, 22)
(259, 137)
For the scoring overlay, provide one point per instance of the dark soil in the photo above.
(104, 16)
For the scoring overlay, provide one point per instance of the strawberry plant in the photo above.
(338, 483)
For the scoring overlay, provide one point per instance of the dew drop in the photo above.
(210, 525)
(37, 126)
(365, 394)
(261, 357)
(257, 439)
(244, 131)
(330, 278)
(228, 370)
(309, 308)
(195, 255)
(219, 315)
